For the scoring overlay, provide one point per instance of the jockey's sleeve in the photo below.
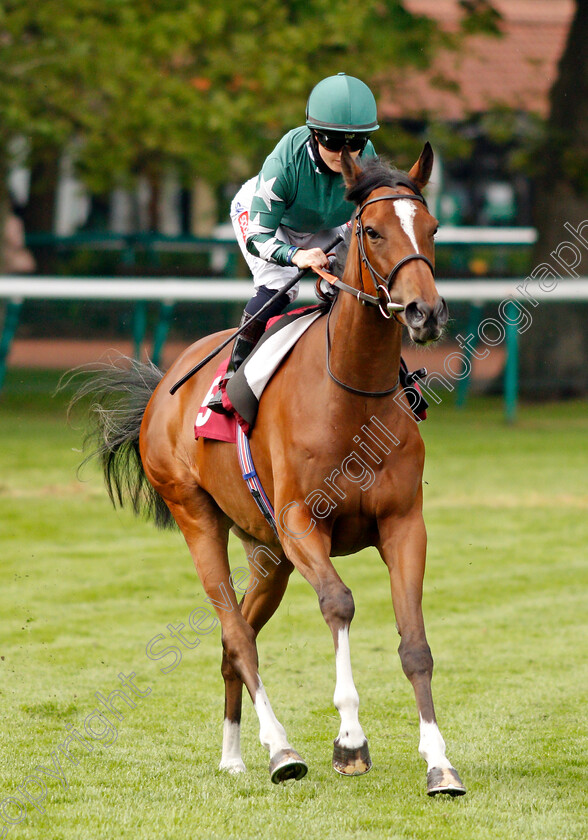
(269, 203)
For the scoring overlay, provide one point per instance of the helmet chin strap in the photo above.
(318, 158)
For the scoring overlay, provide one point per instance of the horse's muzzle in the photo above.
(425, 322)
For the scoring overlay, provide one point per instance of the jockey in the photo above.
(284, 217)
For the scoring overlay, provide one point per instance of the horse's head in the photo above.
(394, 240)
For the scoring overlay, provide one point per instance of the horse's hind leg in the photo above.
(205, 529)
(231, 759)
(265, 590)
(310, 555)
(403, 548)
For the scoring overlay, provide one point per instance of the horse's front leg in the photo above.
(309, 552)
(351, 756)
(403, 545)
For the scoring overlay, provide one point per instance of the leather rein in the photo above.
(382, 285)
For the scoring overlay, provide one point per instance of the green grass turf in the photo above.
(83, 589)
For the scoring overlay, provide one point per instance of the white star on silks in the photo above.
(266, 249)
(265, 192)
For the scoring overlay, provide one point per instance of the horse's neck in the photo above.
(365, 346)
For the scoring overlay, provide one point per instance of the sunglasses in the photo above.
(335, 142)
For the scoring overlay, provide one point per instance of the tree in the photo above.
(554, 353)
(138, 85)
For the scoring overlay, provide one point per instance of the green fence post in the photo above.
(511, 369)
(463, 386)
(139, 327)
(11, 317)
(161, 330)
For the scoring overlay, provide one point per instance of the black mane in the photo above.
(376, 173)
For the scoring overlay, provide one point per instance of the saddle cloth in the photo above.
(208, 423)
(245, 388)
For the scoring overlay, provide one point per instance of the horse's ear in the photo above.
(421, 171)
(351, 171)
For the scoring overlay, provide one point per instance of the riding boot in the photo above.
(242, 347)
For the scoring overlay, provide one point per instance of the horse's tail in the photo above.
(120, 391)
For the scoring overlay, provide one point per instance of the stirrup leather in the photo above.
(243, 346)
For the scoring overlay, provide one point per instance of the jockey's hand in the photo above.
(311, 258)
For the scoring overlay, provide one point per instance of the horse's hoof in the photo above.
(285, 765)
(444, 780)
(351, 762)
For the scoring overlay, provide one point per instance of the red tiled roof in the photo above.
(517, 69)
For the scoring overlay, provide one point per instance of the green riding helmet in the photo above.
(342, 103)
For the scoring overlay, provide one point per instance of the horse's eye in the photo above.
(373, 234)
(435, 232)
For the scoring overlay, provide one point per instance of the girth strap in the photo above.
(252, 480)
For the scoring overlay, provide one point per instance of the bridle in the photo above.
(382, 285)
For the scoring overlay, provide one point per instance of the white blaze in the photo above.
(405, 210)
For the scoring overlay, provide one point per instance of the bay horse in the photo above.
(340, 377)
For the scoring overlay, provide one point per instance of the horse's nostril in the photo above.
(416, 313)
